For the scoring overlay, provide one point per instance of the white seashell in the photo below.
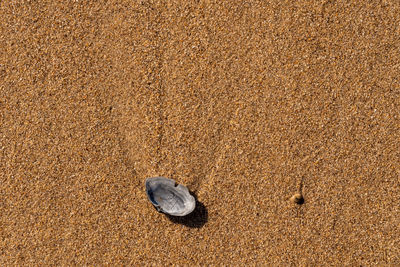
(169, 197)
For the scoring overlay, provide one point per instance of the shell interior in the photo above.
(168, 197)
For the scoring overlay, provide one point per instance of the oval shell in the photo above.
(169, 197)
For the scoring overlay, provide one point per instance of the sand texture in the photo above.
(245, 102)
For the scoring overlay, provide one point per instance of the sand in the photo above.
(245, 103)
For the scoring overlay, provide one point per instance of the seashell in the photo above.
(169, 197)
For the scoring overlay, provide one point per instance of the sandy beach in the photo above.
(245, 102)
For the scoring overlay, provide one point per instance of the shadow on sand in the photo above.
(196, 219)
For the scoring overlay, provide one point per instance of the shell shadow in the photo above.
(196, 219)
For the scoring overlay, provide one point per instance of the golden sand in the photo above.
(244, 103)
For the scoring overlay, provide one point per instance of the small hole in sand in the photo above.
(297, 198)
